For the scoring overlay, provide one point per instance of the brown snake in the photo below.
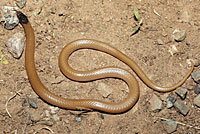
(106, 72)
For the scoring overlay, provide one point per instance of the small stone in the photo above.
(155, 103)
(196, 89)
(9, 17)
(16, 44)
(21, 3)
(160, 42)
(32, 102)
(184, 16)
(104, 90)
(57, 80)
(53, 110)
(197, 100)
(173, 50)
(170, 101)
(169, 125)
(196, 76)
(182, 92)
(47, 114)
(34, 116)
(182, 107)
(196, 62)
(179, 35)
(78, 119)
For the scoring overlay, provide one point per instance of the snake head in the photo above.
(22, 17)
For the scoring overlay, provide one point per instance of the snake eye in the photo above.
(22, 18)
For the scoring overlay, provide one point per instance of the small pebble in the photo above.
(34, 116)
(47, 114)
(78, 119)
(197, 100)
(184, 16)
(155, 103)
(104, 90)
(182, 92)
(15, 44)
(196, 76)
(173, 50)
(196, 62)
(32, 102)
(54, 110)
(170, 101)
(21, 3)
(159, 42)
(182, 107)
(102, 116)
(169, 125)
(178, 35)
(196, 89)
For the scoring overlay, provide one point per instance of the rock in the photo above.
(170, 101)
(196, 62)
(47, 114)
(32, 102)
(184, 16)
(179, 35)
(155, 103)
(78, 119)
(182, 107)
(16, 44)
(34, 116)
(9, 17)
(54, 110)
(182, 92)
(159, 42)
(169, 125)
(104, 90)
(173, 50)
(21, 3)
(196, 76)
(196, 89)
(197, 100)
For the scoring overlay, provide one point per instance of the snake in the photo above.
(105, 72)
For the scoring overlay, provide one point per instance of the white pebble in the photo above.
(179, 35)
(54, 110)
(16, 44)
(9, 17)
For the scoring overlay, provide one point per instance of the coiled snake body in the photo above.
(78, 104)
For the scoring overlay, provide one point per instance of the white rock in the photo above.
(9, 17)
(53, 110)
(179, 35)
(16, 44)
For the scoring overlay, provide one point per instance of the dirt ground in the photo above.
(58, 22)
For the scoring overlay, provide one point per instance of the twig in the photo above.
(25, 126)
(180, 123)
(44, 128)
(156, 12)
(17, 93)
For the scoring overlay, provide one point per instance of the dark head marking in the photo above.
(22, 18)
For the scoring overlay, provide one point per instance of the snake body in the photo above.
(106, 72)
